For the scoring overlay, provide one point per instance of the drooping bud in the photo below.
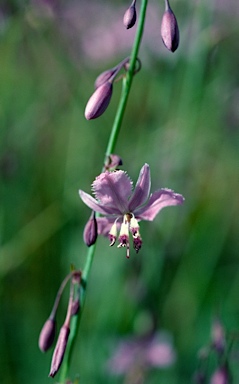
(47, 335)
(90, 231)
(99, 101)
(76, 277)
(105, 76)
(110, 74)
(130, 16)
(169, 29)
(59, 350)
(75, 307)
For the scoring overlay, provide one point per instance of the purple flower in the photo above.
(123, 208)
(154, 351)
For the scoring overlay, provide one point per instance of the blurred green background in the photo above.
(182, 118)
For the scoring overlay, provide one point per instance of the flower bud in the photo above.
(99, 101)
(59, 350)
(47, 335)
(113, 162)
(90, 231)
(75, 306)
(76, 277)
(130, 16)
(105, 76)
(169, 29)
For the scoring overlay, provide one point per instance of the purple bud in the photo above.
(59, 350)
(76, 277)
(105, 76)
(75, 306)
(169, 29)
(130, 16)
(113, 161)
(47, 335)
(99, 101)
(90, 231)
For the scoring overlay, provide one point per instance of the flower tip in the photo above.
(180, 199)
(130, 17)
(59, 351)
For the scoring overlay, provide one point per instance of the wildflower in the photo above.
(149, 351)
(122, 208)
(169, 29)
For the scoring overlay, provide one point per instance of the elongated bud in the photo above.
(59, 350)
(130, 16)
(90, 231)
(47, 335)
(99, 101)
(169, 29)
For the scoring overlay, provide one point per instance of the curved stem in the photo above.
(127, 82)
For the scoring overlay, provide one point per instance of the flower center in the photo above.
(129, 224)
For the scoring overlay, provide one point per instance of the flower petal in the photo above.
(104, 225)
(142, 189)
(93, 204)
(158, 200)
(113, 189)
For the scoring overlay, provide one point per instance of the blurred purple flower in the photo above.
(149, 352)
(220, 376)
(115, 200)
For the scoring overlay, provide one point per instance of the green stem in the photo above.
(127, 82)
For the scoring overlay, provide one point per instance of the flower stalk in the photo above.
(126, 86)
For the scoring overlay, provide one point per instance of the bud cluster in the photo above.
(100, 99)
(48, 331)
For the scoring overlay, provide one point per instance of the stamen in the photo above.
(124, 235)
(112, 240)
(137, 243)
(134, 229)
(113, 233)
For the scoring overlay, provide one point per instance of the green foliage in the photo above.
(182, 118)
